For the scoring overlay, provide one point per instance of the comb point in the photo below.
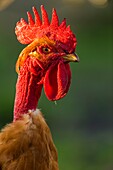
(30, 19)
(63, 24)
(45, 19)
(38, 21)
(23, 21)
(68, 28)
(54, 20)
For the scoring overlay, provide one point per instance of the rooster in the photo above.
(26, 143)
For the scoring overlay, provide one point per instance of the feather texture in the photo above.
(27, 145)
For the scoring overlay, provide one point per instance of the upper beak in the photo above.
(71, 57)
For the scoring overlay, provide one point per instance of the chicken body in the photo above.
(27, 144)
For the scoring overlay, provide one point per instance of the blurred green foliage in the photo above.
(82, 122)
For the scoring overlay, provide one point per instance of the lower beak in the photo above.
(71, 57)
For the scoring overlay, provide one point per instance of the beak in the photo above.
(71, 57)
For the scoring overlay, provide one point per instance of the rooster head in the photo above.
(51, 45)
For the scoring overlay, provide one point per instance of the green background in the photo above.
(82, 122)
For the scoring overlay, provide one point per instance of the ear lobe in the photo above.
(57, 81)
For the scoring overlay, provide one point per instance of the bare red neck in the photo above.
(28, 88)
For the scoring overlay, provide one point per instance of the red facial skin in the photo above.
(53, 74)
(46, 69)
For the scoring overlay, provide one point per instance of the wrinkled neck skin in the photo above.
(28, 88)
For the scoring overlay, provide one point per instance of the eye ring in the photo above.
(46, 50)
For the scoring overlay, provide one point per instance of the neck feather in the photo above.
(28, 88)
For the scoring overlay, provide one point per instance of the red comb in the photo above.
(37, 28)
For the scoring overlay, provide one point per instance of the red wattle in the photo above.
(57, 81)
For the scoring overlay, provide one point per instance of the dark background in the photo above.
(82, 122)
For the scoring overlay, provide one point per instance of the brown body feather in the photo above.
(27, 145)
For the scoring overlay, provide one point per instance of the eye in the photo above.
(46, 50)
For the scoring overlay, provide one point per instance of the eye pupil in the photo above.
(46, 49)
